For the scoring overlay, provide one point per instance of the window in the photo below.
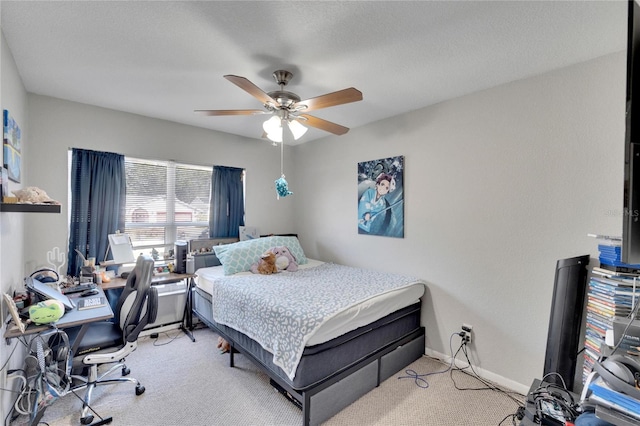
(166, 202)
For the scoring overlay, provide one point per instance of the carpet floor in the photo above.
(190, 383)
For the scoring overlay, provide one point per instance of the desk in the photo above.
(172, 277)
(71, 318)
(186, 323)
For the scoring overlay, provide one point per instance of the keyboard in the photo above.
(79, 288)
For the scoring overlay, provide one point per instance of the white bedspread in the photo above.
(356, 316)
(282, 311)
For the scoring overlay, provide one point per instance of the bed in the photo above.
(322, 336)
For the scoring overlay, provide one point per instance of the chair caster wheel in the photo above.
(87, 420)
(125, 371)
(140, 390)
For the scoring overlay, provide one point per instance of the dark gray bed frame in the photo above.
(324, 398)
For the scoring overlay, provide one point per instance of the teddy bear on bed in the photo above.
(285, 261)
(266, 265)
(274, 260)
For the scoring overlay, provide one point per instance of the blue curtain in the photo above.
(98, 195)
(226, 209)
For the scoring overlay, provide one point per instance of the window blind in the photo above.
(166, 202)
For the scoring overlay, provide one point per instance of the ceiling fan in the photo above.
(287, 107)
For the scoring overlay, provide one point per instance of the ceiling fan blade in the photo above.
(325, 125)
(212, 112)
(340, 97)
(251, 89)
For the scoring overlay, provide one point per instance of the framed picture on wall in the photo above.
(381, 197)
(15, 315)
(248, 233)
(12, 144)
(12, 162)
(11, 130)
(4, 178)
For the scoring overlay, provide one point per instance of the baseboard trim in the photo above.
(485, 374)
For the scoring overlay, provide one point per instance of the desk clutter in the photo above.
(163, 269)
(79, 288)
(94, 274)
(45, 299)
(65, 357)
(92, 302)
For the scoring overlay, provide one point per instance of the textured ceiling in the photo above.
(164, 59)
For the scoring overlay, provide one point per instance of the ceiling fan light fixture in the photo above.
(273, 129)
(297, 129)
(275, 137)
(272, 125)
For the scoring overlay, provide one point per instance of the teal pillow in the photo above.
(238, 257)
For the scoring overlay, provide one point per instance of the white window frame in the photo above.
(170, 225)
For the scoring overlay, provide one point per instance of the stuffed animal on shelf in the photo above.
(33, 195)
(223, 345)
(285, 261)
(266, 265)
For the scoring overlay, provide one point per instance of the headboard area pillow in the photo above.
(238, 257)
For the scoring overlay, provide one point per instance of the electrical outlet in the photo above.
(466, 329)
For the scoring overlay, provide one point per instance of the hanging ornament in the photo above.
(282, 187)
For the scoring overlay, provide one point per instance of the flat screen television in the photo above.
(631, 221)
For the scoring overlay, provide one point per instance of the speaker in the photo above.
(181, 257)
(565, 321)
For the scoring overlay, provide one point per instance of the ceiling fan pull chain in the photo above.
(282, 187)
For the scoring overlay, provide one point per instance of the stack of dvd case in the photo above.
(611, 297)
(611, 259)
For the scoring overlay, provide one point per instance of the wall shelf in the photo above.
(29, 208)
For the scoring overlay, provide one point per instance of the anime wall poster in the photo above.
(381, 197)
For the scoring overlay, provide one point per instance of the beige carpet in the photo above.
(191, 384)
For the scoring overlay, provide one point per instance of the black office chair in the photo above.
(108, 342)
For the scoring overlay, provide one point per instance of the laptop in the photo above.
(46, 292)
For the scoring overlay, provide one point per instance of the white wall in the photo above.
(499, 185)
(57, 125)
(13, 98)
